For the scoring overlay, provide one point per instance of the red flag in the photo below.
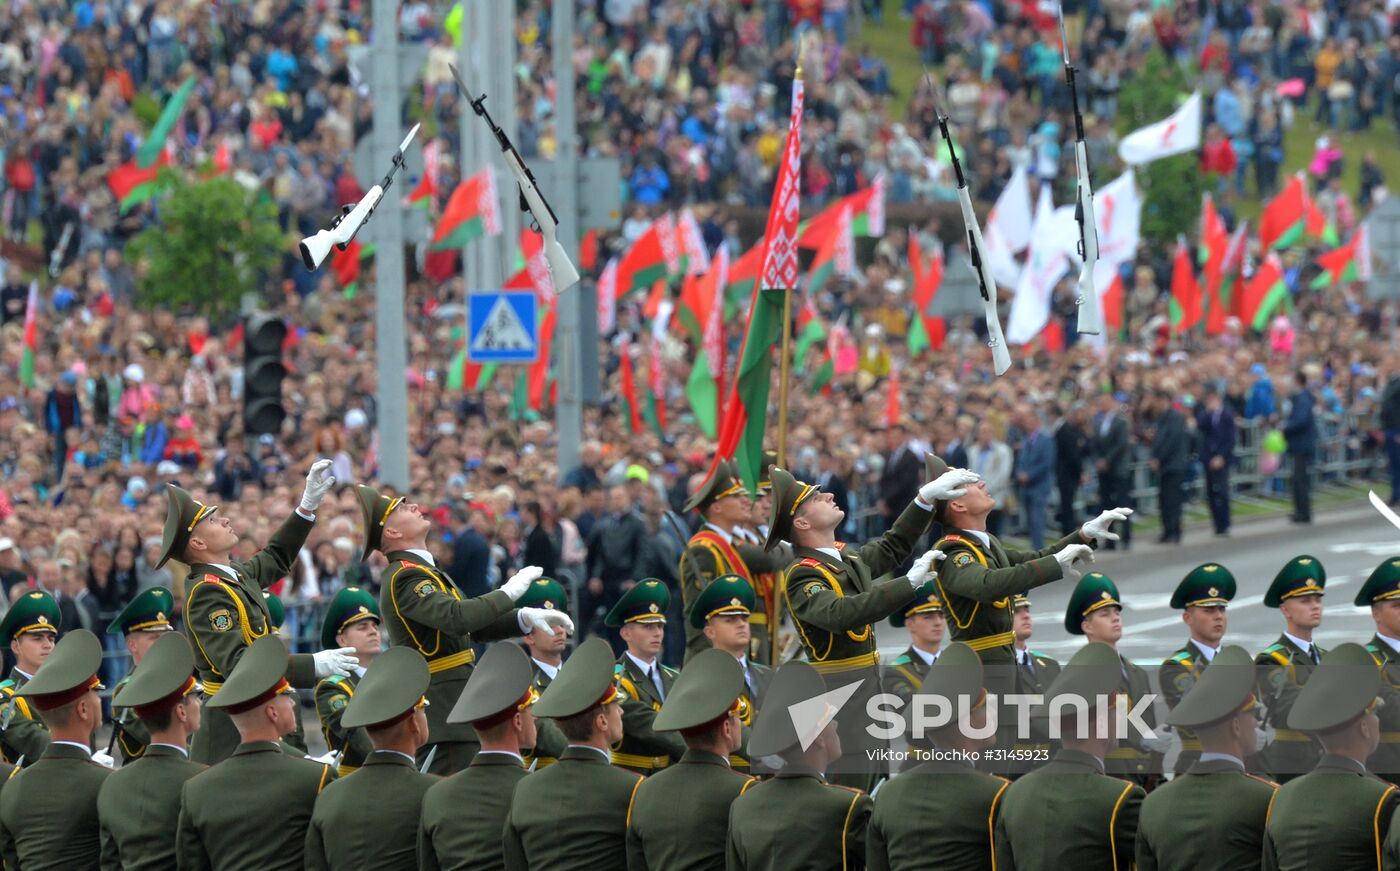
(1113, 304)
(346, 264)
(926, 331)
(588, 251)
(539, 370)
(1187, 298)
(892, 412)
(1053, 335)
(1282, 221)
(628, 383)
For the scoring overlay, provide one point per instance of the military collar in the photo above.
(423, 557)
(640, 667)
(1080, 758)
(585, 753)
(1207, 653)
(703, 757)
(823, 555)
(1300, 645)
(923, 656)
(227, 571)
(980, 534)
(248, 747)
(550, 671)
(1341, 763)
(1382, 641)
(800, 770)
(497, 757)
(67, 750)
(412, 556)
(389, 757)
(830, 552)
(727, 536)
(166, 750)
(1217, 763)
(24, 675)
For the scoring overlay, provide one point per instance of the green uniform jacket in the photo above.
(453, 840)
(642, 748)
(223, 616)
(48, 812)
(1068, 814)
(572, 816)
(903, 677)
(139, 810)
(332, 695)
(249, 812)
(1211, 818)
(1177, 674)
(1130, 759)
(1385, 762)
(1037, 749)
(707, 556)
(798, 820)
(133, 735)
(1335, 816)
(387, 790)
(1283, 669)
(936, 816)
(22, 733)
(976, 584)
(423, 609)
(679, 819)
(549, 741)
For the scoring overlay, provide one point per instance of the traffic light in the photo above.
(262, 374)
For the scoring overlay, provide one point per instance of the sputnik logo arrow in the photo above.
(810, 717)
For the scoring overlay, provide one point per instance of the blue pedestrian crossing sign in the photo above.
(503, 327)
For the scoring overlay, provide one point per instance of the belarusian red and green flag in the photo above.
(472, 211)
(746, 413)
(867, 217)
(810, 330)
(836, 254)
(132, 184)
(1284, 218)
(1351, 262)
(655, 256)
(154, 144)
(1188, 300)
(1265, 294)
(627, 381)
(31, 336)
(925, 330)
(702, 312)
(426, 191)
(346, 265)
(695, 257)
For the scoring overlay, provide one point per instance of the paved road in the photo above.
(1350, 542)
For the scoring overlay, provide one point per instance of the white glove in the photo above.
(319, 481)
(923, 568)
(521, 581)
(1099, 528)
(338, 661)
(106, 761)
(544, 618)
(1160, 744)
(1074, 553)
(949, 485)
(327, 759)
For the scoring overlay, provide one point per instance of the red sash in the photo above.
(726, 550)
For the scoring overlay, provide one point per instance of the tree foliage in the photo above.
(213, 243)
(1172, 185)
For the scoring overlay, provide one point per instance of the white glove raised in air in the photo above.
(319, 481)
(338, 661)
(521, 581)
(923, 568)
(104, 759)
(1072, 554)
(1100, 529)
(544, 618)
(949, 485)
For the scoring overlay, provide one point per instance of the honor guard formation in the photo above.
(463, 733)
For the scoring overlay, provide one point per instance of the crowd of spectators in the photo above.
(692, 96)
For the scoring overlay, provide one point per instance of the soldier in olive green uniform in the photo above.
(1034, 672)
(797, 819)
(423, 609)
(139, 806)
(936, 815)
(1069, 813)
(252, 810)
(1095, 611)
(1202, 596)
(704, 708)
(834, 598)
(48, 812)
(546, 654)
(143, 620)
(1285, 666)
(1381, 593)
(30, 628)
(715, 550)
(388, 705)
(979, 578)
(905, 674)
(225, 611)
(1337, 815)
(572, 816)
(497, 703)
(722, 611)
(643, 679)
(294, 740)
(1211, 816)
(352, 620)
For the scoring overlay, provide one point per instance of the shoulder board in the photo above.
(407, 564)
(1037, 653)
(1261, 780)
(952, 537)
(668, 670)
(7, 686)
(1373, 648)
(902, 659)
(1278, 655)
(840, 545)
(1273, 648)
(212, 579)
(809, 562)
(845, 788)
(337, 679)
(617, 669)
(1183, 657)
